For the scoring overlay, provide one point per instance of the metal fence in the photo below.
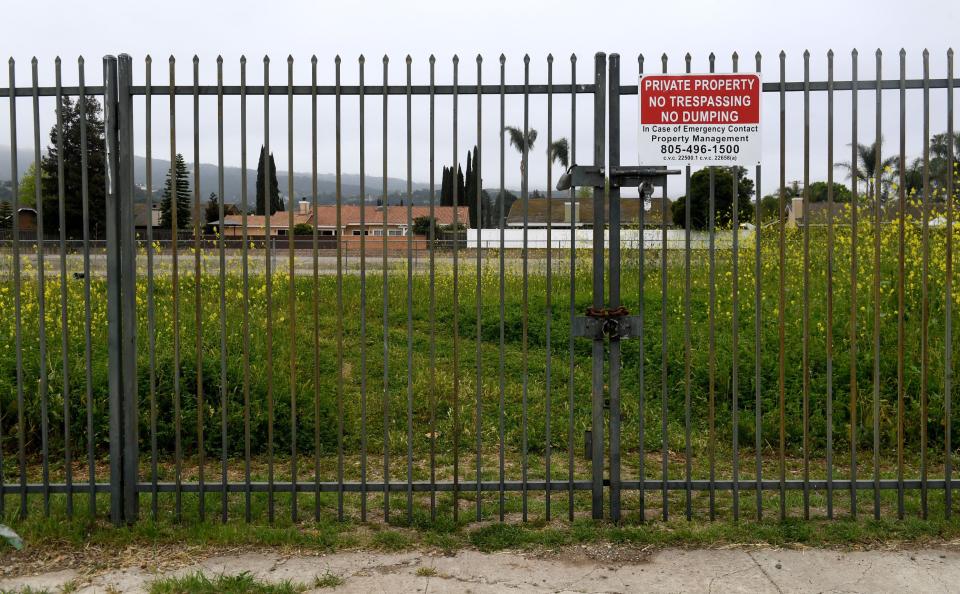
(477, 433)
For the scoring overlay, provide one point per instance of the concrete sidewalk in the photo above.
(600, 568)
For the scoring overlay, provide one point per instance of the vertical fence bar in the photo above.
(948, 309)
(524, 196)
(641, 391)
(292, 205)
(456, 301)
(41, 314)
(924, 294)
(830, 264)
(64, 327)
(876, 292)
(614, 280)
(687, 346)
(758, 325)
(479, 228)
(433, 301)
(87, 317)
(197, 293)
(316, 288)
(128, 292)
(549, 281)
(664, 435)
(712, 338)
(573, 285)
(599, 152)
(901, 212)
(267, 212)
(854, 240)
(781, 296)
(114, 316)
(735, 336)
(409, 61)
(151, 311)
(503, 215)
(245, 265)
(224, 445)
(386, 313)
(363, 295)
(175, 273)
(17, 307)
(340, 241)
(806, 285)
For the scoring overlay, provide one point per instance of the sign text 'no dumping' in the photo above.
(700, 119)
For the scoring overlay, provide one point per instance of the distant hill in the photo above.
(232, 177)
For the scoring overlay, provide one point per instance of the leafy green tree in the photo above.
(422, 226)
(723, 198)
(507, 198)
(27, 192)
(818, 192)
(179, 185)
(276, 204)
(69, 111)
(303, 229)
(212, 212)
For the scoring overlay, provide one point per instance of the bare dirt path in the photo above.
(594, 568)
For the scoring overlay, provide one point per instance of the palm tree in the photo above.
(523, 143)
(866, 168)
(941, 166)
(560, 152)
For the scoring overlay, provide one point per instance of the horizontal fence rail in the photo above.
(798, 349)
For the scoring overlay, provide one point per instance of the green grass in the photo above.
(328, 580)
(244, 583)
(444, 401)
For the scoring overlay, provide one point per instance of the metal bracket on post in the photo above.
(602, 324)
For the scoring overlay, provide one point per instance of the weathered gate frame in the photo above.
(125, 485)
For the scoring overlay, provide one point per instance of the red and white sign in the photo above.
(700, 119)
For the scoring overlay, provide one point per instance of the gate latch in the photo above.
(600, 323)
(646, 177)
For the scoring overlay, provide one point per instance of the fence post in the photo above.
(128, 289)
(599, 152)
(121, 289)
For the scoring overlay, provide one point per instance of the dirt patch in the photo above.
(602, 553)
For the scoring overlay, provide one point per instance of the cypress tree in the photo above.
(276, 204)
(446, 188)
(183, 196)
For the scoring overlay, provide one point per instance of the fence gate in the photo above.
(326, 354)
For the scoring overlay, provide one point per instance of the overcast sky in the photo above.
(46, 29)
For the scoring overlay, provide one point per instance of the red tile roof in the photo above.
(326, 216)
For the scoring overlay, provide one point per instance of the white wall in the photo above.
(629, 238)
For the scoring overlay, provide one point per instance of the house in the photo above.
(144, 216)
(561, 212)
(325, 219)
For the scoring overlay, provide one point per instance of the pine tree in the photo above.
(6, 215)
(183, 193)
(276, 204)
(73, 170)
